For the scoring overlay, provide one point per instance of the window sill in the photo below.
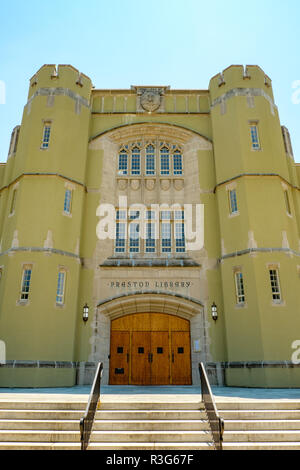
(23, 303)
(59, 306)
(278, 303)
(241, 305)
(66, 214)
(234, 214)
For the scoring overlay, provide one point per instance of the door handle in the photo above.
(127, 358)
(150, 358)
(173, 357)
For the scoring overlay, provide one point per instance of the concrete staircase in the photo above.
(142, 425)
(261, 425)
(118, 426)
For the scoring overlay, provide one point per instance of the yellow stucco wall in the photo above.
(39, 233)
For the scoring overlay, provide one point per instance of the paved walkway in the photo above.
(133, 393)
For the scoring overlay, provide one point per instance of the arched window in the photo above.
(123, 163)
(136, 161)
(177, 163)
(150, 160)
(164, 161)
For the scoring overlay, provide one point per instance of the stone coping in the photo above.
(17, 364)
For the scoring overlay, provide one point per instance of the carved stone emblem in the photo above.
(165, 185)
(150, 184)
(151, 100)
(135, 185)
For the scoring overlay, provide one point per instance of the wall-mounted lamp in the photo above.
(214, 312)
(85, 315)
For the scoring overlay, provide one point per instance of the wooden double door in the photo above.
(150, 349)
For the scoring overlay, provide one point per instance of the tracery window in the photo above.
(143, 159)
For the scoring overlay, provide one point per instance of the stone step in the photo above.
(104, 436)
(263, 425)
(260, 414)
(106, 425)
(150, 436)
(109, 414)
(42, 405)
(39, 436)
(262, 436)
(261, 446)
(131, 446)
(258, 405)
(41, 415)
(105, 406)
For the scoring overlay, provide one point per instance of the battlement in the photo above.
(61, 76)
(238, 76)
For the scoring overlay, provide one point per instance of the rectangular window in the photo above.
(150, 160)
(254, 137)
(136, 162)
(13, 202)
(164, 161)
(123, 163)
(60, 291)
(233, 201)
(239, 287)
(120, 237)
(166, 237)
(134, 237)
(275, 285)
(150, 237)
(180, 237)
(46, 136)
(287, 202)
(25, 286)
(68, 201)
(177, 159)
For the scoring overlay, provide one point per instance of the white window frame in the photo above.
(46, 135)
(233, 201)
(68, 201)
(61, 287)
(26, 283)
(275, 284)
(254, 134)
(239, 287)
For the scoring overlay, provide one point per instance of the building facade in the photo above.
(99, 197)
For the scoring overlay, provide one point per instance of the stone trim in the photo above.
(71, 180)
(60, 92)
(247, 92)
(259, 250)
(20, 364)
(168, 296)
(241, 175)
(40, 250)
(252, 365)
(170, 131)
(153, 262)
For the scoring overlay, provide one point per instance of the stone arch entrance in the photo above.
(150, 318)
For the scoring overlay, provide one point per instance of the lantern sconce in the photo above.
(85, 315)
(214, 312)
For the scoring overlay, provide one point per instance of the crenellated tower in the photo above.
(44, 190)
(259, 232)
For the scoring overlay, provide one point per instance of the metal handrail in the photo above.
(216, 423)
(86, 423)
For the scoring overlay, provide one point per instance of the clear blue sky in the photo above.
(118, 43)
